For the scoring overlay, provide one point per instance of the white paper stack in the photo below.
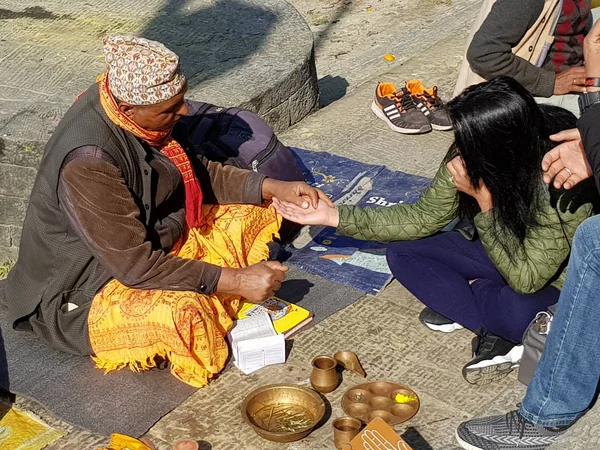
(255, 344)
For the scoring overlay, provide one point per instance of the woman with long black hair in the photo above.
(506, 262)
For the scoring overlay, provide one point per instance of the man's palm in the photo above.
(567, 163)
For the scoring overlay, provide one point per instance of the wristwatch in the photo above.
(587, 99)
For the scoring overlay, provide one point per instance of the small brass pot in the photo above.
(324, 377)
(344, 430)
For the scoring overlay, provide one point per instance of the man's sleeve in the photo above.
(490, 53)
(223, 184)
(589, 127)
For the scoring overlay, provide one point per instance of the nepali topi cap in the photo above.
(141, 71)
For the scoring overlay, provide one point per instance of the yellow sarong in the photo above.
(131, 327)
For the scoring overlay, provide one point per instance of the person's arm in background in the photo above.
(578, 156)
(490, 53)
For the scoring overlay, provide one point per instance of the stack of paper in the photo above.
(255, 344)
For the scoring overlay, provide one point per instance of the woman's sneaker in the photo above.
(507, 432)
(397, 108)
(493, 359)
(437, 322)
(430, 104)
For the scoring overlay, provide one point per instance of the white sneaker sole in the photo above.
(441, 127)
(379, 113)
(464, 444)
(494, 369)
(446, 328)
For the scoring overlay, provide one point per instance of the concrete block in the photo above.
(303, 101)
(16, 181)
(278, 117)
(15, 236)
(12, 210)
(8, 253)
(5, 236)
(23, 153)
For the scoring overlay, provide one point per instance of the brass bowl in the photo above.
(283, 412)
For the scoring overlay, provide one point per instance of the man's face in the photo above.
(159, 117)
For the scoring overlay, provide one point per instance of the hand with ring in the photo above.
(566, 164)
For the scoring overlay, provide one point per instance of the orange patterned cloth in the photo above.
(130, 327)
(165, 143)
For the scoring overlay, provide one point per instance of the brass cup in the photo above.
(344, 430)
(324, 377)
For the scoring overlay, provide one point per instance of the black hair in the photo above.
(502, 135)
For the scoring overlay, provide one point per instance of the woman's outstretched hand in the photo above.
(324, 214)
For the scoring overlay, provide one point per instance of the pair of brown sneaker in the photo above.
(412, 109)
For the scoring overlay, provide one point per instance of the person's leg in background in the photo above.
(566, 380)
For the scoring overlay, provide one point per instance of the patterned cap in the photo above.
(141, 71)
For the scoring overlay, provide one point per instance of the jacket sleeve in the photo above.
(102, 212)
(228, 184)
(590, 135)
(490, 53)
(435, 209)
(546, 248)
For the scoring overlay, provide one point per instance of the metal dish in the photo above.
(378, 399)
(283, 412)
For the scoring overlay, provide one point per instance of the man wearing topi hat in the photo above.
(134, 248)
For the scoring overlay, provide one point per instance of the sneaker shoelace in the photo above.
(403, 100)
(516, 422)
(433, 100)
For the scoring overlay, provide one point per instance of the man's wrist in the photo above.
(268, 190)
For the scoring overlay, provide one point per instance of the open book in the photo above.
(287, 318)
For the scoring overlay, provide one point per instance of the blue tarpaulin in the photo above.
(322, 251)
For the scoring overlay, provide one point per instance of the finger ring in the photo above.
(569, 172)
(574, 80)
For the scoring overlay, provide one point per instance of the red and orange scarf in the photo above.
(166, 144)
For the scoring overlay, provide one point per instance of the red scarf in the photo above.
(166, 144)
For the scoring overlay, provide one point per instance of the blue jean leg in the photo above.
(566, 380)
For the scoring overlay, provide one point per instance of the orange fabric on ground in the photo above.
(131, 327)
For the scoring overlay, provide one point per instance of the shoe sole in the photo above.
(494, 369)
(382, 116)
(446, 328)
(464, 444)
(441, 127)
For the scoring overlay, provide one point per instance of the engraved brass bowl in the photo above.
(283, 412)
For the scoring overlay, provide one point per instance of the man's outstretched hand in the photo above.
(566, 163)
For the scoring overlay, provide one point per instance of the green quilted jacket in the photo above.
(539, 262)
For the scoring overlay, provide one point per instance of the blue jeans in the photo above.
(566, 380)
